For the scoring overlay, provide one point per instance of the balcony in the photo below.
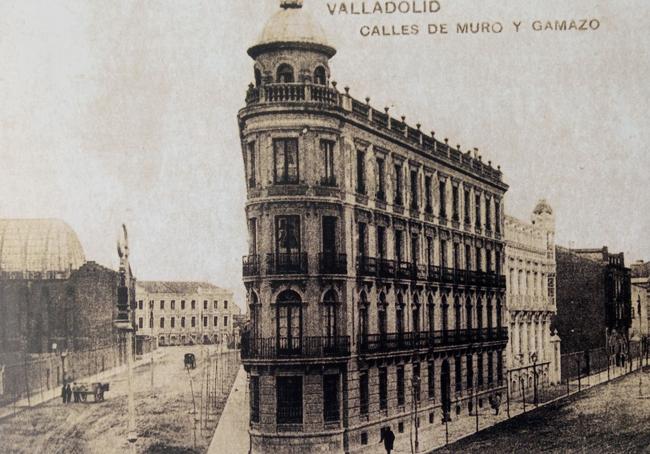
(332, 263)
(395, 342)
(386, 268)
(366, 266)
(329, 181)
(294, 263)
(292, 92)
(251, 265)
(287, 348)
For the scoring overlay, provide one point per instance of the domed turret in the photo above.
(543, 207)
(292, 48)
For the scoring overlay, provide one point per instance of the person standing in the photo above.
(388, 437)
(68, 393)
(64, 394)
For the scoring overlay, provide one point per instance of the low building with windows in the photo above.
(640, 299)
(533, 350)
(185, 313)
(374, 277)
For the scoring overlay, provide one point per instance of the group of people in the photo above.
(69, 392)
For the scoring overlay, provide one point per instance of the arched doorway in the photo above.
(445, 390)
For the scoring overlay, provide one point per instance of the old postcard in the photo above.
(314, 226)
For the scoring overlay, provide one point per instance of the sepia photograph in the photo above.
(321, 226)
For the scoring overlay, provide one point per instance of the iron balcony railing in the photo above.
(295, 347)
(251, 265)
(332, 263)
(392, 342)
(292, 92)
(288, 263)
(366, 266)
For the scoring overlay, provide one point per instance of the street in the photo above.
(609, 418)
(166, 414)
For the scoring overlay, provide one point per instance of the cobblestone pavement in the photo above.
(610, 418)
(165, 414)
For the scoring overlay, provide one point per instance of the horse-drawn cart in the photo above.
(97, 390)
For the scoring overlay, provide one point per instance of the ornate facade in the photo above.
(374, 275)
(533, 350)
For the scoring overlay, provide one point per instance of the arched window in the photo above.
(382, 320)
(363, 317)
(329, 306)
(288, 322)
(320, 76)
(285, 74)
(431, 314)
(258, 77)
(415, 312)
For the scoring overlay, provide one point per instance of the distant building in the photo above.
(51, 296)
(640, 300)
(593, 300)
(530, 274)
(183, 313)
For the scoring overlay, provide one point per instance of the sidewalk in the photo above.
(41, 396)
(231, 435)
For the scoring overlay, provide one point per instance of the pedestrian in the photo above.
(68, 393)
(495, 402)
(75, 392)
(388, 437)
(63, 393)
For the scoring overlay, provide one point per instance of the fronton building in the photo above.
(374, 276)
(533, 350)
(184, 313)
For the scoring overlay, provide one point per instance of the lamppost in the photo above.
(124, 325)
(533, 358)
(63, 355)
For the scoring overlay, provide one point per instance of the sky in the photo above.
(125, 111)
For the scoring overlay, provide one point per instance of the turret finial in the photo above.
(290, 4)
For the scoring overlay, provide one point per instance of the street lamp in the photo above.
(533, 358)
(63, 355)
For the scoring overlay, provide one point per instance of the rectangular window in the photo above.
(255, 398)
(250, 161)
(415, 248)
(429, 251)
(172, 322)
(398, 185)
(381, 180)
(414, 189)
(416, 381)
(455, 204)
(381, 241)
(399, 243)
(225, 305)
(467, 206)
(287, 234)
(289, 400)
(400, 385)
(151, 323)
(363, 393)
(162, 305)
(488, 214)
(470, 372)
(140, 305)
(327, 149)
(215, 321)
(490, 368)
(427, 195)
(286, 161)
(480, 369)
(500, 366)
(216, 305)
(456, 256)
(443, 198)
(205, 322)
(431, 381)
(182, 322)
(182, 305)
(477, 210)
(140, 323)
(331, 398)
(497, 217)
(479, 259)
(443, 253)
(205, 305)
(252, 236)
(329, 235)
(468, 257)
(225, 320)
(193, 322)
(459, 373)
(361, 171)
(488, 261)
(362, 241)
(173, 305)
(162, 322)
(193, 305)
(383, 388)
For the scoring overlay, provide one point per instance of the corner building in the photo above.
(374, 274)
